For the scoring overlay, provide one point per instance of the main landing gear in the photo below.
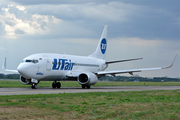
(34, 86)
(56, 84)
(86, 86)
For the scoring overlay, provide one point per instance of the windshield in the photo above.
(31, 61)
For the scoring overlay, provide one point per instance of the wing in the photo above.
(7, 70)
(132, 70)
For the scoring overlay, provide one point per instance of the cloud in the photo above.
(125, 18)
(37, 2)
(34, 24)
(112, 11)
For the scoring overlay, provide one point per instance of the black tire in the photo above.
(83, 86)
(35, 86)
(88, 86)
(53, 85)
(58, 84)
(32, 86)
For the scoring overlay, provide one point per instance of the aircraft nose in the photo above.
(23, 70)
(20, 69)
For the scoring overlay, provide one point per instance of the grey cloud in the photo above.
(127, 18)
(18, 31)
(9, 23)
(36, 2)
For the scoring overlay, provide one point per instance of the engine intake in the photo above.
(25, 81)
(87, 78)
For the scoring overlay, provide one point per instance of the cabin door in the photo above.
(48, 63)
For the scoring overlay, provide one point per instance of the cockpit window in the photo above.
(35, 61)
(23, 61)
(30, 61)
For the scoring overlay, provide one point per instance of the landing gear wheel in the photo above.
(83, 86)
(54, 84)
(88, 86)
(34, 86)
(58, 85)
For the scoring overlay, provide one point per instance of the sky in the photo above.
(137, 28)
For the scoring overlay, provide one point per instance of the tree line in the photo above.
(110, 78)
(9, 76)
(139, 79)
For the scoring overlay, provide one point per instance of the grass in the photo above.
(17, 83)
(162, 105)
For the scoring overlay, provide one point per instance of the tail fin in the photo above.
(102, 46)
(4, 64)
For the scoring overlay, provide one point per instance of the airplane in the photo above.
(61, 67)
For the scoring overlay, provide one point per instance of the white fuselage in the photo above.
(50, 66)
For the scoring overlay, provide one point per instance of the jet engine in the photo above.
(87, 78)
(25, 81)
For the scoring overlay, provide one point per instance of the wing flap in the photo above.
(131, 71)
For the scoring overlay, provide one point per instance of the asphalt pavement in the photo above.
(26, 91)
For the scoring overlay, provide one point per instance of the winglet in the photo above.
(171, 64)
(4, 64)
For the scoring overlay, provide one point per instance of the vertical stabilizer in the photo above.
(4, 65)
(102, 45)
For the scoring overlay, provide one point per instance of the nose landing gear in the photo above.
(34, 86)
(56, 84)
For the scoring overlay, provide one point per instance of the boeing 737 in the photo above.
(61, 67)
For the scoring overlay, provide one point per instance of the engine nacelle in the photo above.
(87, 78)
(25, 81)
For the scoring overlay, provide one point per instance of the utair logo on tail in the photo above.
(103, 45)
(63, 64)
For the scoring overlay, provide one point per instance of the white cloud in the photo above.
(22, 8)
(36, 24)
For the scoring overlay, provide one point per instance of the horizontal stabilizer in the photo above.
(7, 70)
